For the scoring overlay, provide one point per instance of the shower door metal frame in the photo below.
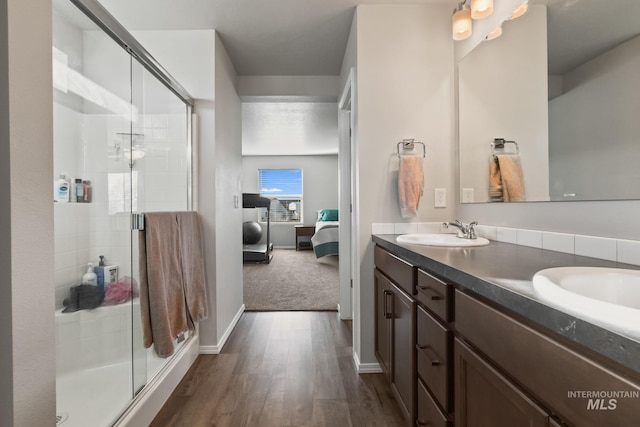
(108, 23)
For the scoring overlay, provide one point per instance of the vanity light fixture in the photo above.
(494, 34)
(521, 10)
(461, 21)
(481, 8)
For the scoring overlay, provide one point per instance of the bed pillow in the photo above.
(329, 215)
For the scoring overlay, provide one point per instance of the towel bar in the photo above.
(500, 142)
(410, 145)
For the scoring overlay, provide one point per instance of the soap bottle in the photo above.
(90, 278)
(61, 189)
(79, 191)
(99, 270)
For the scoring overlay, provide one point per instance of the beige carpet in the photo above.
(293, 281)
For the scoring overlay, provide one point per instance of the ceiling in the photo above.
(262, 37)
(308, 37)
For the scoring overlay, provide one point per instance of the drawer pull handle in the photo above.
(387, 313)
(422, 423)
(433, 295)
(424, 348)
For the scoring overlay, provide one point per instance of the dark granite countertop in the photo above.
(503, 273)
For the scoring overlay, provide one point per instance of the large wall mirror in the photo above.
(562, 83)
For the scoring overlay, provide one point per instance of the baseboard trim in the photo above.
(148, 403)
(366, 368)
(216, 349)
(340, 314)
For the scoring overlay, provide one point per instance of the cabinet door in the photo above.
(403, 377)
(383, 316)
(485, 398)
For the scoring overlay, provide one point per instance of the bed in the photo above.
(325, 239)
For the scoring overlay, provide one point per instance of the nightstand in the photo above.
(303, 237)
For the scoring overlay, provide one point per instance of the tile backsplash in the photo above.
(620, 250)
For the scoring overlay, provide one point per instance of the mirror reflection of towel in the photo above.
(506, 180)
(410, 185)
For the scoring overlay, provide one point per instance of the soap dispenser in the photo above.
(90, 277)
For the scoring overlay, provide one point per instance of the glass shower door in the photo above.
(159, 158)
(92, 124)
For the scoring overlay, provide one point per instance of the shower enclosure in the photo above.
(122, 142)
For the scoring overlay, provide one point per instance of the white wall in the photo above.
(289, 128)
(228, 189)
(404, 90)
(502, 87)
(27, 357)
(594, 127)
(319, 186)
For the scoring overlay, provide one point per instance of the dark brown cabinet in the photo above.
(476, 364)
(434, 351)
(548, 370)
(403, 371)
(433, 357)
(383, 318)
(485, 398)
(395, 329)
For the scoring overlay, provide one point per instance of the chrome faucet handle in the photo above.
(472, 230)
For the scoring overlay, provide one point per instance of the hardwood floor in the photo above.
(282, 369)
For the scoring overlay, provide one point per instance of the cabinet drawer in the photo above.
(547, 369)
(434, 294)
(401, 272)
(428, 412)
(433, 353)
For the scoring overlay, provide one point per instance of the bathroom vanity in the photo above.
(465, 341)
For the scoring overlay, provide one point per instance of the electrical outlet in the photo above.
(440, 197)
(467, 195)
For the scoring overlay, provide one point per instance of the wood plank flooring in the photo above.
(282, 369)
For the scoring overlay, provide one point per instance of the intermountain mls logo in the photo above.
(603, 400)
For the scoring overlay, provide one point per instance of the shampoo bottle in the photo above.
(61, 189)
(90, 277)
(100, 271)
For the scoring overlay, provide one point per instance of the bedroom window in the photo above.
(284, 188)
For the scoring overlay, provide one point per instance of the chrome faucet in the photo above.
(465, 231)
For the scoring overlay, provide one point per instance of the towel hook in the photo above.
(409, 144)
(500, 142)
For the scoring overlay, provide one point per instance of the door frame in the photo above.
(346, 194)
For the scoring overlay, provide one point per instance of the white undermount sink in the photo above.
(609, 297)
(436, 239)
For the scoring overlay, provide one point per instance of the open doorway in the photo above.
(285, 141)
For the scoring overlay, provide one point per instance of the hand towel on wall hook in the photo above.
(410, 177)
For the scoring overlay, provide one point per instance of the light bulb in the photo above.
(521, 10)
(494, 34)
(461, 22)
(481, 8)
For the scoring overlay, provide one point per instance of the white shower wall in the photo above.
(86, 147)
